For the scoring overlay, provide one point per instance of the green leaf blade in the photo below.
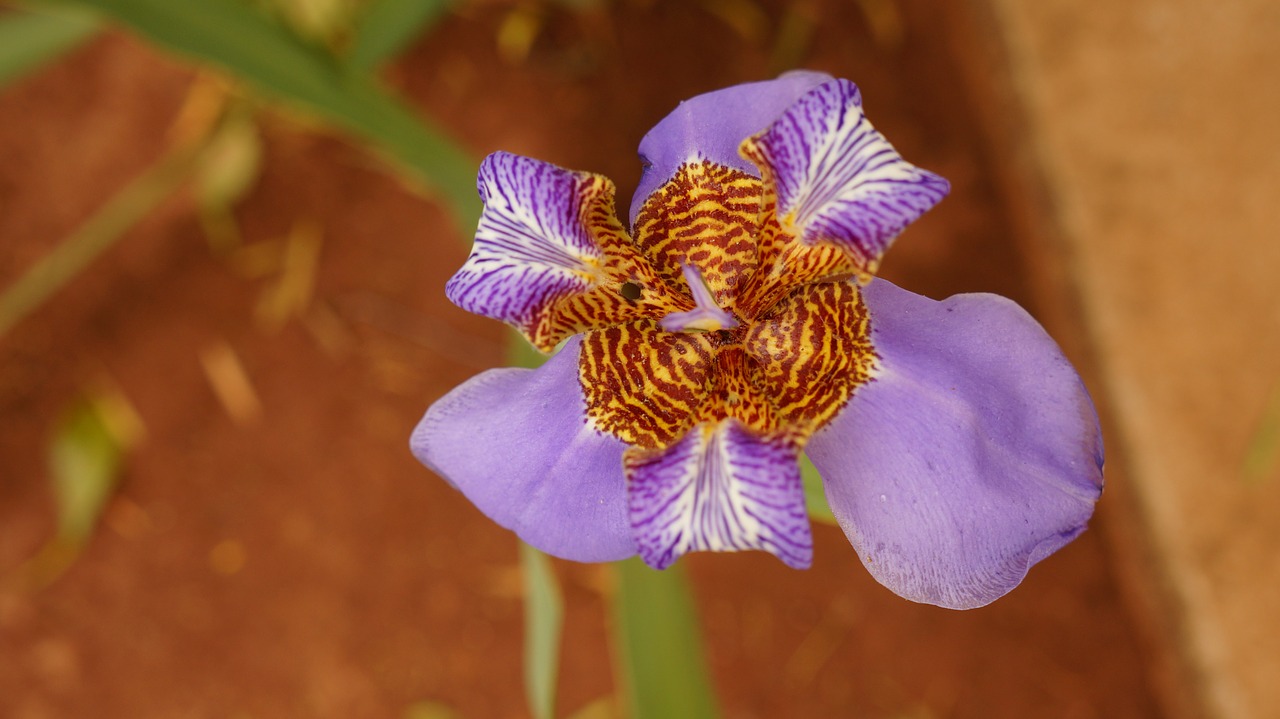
(236, 38)
(544, 619)
(29, 40)
(388, 28)
(658, 635)
(230, 35)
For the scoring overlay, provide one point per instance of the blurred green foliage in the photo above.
(815, 496)
(129, 205)
(1262, 456)
(275, 60)
(28, 40)
(386, 28)
(84, 460)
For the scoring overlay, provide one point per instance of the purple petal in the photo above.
(837, 179)
(712, 126)
(516, 443)
(533, 247)
(720, 488)
(973, 454)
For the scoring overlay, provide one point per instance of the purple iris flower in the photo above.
(738, 325)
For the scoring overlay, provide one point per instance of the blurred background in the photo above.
(224, 238)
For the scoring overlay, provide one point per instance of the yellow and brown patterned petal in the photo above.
(644, 385)
(705, 216)
(785, 263)
(550, 257)
(811, 353)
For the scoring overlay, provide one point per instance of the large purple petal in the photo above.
(837, 179)
(974, 453)
(712, 126)
(516, 443)
(719, 488)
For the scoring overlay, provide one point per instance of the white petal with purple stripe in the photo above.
(532, 247)
(719, 488)
(837, 179)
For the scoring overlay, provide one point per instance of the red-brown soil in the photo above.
(302, 563)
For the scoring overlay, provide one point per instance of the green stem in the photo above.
(658, 638)
(98, 233)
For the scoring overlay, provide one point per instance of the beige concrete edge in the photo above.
(995, 71)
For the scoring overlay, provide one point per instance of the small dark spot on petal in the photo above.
(630, 291)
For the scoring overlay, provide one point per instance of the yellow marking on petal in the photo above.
(643, 384)
(787, 375)
(812, 352)
(706, 215)
(710, 324)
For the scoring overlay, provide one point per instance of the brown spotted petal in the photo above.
(550, 258)
(644, 385)
(704, 216)
(811, 353)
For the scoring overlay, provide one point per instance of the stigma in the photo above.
(706, 316)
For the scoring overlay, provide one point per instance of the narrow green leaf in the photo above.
(28, 40)
(388, 27)
(543, 619)
(84, 459)
(815, 496)
(74, 253)
(230, 35)
(657, 632)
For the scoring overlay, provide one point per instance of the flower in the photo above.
(740, 325)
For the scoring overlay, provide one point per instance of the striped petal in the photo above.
(706, 216)
(721, 488)
(836, 179)
(811, 353)
(517, 443)
(550, 258)
(972, 454)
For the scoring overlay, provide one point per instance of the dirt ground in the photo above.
(297, 561)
